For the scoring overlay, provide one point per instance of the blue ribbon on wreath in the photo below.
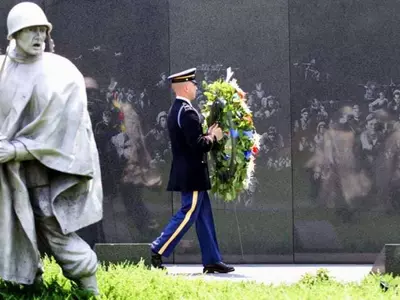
(248, 133)
(234, 133)
(247, 154)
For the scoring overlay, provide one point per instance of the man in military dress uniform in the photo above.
(189, 175)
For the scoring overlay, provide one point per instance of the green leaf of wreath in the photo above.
(234, 154)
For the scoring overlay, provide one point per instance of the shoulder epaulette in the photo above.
(184, 107)
(187, 107)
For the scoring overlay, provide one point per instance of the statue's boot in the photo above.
(89, 284)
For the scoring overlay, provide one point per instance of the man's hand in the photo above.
(215, 131)
(218, 133)
(7, 151)
(210, 129)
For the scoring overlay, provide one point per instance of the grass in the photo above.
(125, 281)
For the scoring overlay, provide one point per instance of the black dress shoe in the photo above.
(156, 261)
(219, 267)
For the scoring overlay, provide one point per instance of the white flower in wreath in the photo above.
(233, 81)
(229, 74)
(246, 108)
(257, 139)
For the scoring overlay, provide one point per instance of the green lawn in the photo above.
(137, 282)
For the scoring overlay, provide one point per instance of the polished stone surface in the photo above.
(342, 54)
(275, 274)
(252, 38)
(123, 252)
(122, 49)
(344, 124)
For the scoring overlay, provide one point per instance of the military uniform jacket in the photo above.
(189, 169)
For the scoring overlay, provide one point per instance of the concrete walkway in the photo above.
(274, 274)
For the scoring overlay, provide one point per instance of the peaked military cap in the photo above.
(187, 75)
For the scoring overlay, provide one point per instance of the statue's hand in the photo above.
(7, 151)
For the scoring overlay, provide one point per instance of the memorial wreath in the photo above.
(235, 153)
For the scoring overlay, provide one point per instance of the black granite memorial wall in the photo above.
(122, 49)
(322, 80)
(213, 36)
(345, 102)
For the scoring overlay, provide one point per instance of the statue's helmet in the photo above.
(26, 14)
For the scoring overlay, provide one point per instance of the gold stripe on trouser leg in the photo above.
(183, 224)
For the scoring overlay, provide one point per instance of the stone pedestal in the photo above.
(388, 260)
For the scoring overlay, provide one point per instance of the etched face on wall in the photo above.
(371, 125)
(163, 122)
(30, 40)
(356, 110)
(321, 129)
(304, 115)
(264, 102)
(201, 104)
